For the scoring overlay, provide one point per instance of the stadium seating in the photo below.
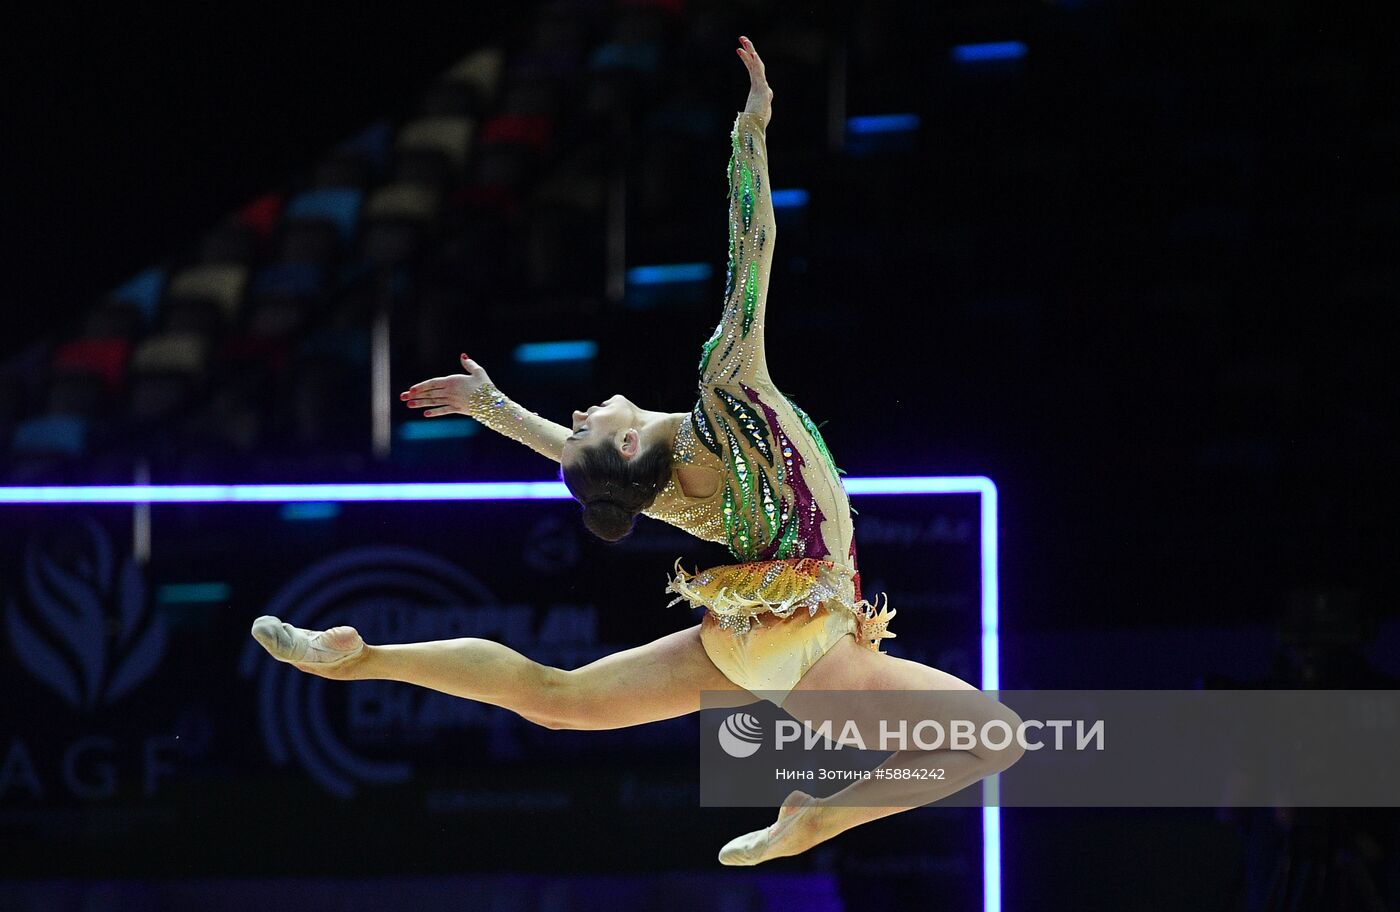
(166, 370)
(204, 299)
(319, 225)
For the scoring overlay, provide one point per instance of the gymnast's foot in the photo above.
(329, 653)
(794, 832)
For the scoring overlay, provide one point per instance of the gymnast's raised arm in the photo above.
(473, 394)
(735, 352)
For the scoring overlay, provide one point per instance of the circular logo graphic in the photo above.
(360, 587)
(740, 735)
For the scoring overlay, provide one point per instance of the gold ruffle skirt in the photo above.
(767, 622)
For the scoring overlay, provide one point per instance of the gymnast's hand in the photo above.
(447, 395)
(760, 95)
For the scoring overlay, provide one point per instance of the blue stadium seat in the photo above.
(359, 161)
(289, 280)
(283, 296)
(319, 225)
(638, 58)
(51, 434)
(143, 291)
(338, 206)
(371, 145)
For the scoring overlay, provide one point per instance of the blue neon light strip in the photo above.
(322, 494)
(992, 50)
(287, 493)
(991, 680)
(794, 198)
(670, 274)
(436, 429)
(391, 491)
(310, 511)
(186, 593)
(573, 350)
(882, 123)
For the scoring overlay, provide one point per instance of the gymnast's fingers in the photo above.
(750, 55)
(426, 386)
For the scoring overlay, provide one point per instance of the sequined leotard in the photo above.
(780, 506)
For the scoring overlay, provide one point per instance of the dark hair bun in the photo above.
(613, 490)
(608, 520)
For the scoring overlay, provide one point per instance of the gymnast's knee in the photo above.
(566, 701)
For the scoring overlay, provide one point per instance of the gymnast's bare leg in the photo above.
(804, 821)
(659, 680)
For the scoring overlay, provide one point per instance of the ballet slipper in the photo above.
(781, 838)
(323, 648)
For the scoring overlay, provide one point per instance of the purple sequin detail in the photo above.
(805, 510)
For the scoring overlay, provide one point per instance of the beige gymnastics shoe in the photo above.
(791, 834)
(325, 648)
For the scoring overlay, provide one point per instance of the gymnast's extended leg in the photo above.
(824, 697)
(658, 680)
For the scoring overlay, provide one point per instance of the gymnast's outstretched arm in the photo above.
(473, 394)
(735, 352)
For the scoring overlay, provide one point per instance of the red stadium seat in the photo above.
(534, 131)
(262, 214)
(105, 358)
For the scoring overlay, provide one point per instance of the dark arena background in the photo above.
(1130, 268)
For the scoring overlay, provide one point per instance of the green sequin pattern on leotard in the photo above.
(746, 188)
(816, 436)
(750, 296)
(751, 424)
(742, 505)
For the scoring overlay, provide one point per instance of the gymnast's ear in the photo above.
(631, 443)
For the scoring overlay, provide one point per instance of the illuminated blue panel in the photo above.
(436, 429)
(189, 593)
(311, 511)
(666, 275)
(575, 350)
(882, 123)
(554, 490)
(992, 50)
(789, 199)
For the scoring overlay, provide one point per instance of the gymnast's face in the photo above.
(604, 425)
